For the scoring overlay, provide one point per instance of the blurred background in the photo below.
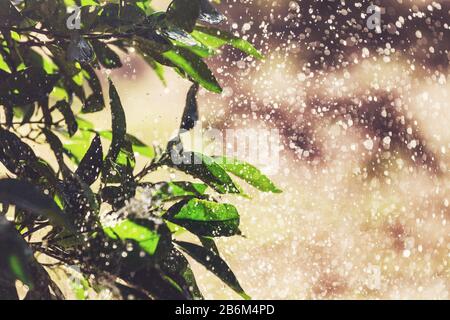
(365, 156)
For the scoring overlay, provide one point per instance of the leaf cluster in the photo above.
(87, 205)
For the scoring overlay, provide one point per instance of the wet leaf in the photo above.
(177, 267)
(117, 195)
(26, 196)
(15, 258)
(95, 102)
(215, 39)
(119, 125)
(167, 191)
(92, 162)
(139, 147)
(184, 13)
(204, 168)
(206, 218)
(106, 56)
(112, 169)
(26, 86)
(80, 50)
(209, 14)
(190, 114)
(248, 173)
(16, 155)
(213, 263)
(58, 149)
(194, 67)
(127, 229)
(64, 107)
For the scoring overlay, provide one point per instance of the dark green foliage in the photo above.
(190, 115)
(213, 262)
(92, 162)
(80, 204)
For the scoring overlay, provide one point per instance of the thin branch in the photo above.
(52, 34)
(147, 169)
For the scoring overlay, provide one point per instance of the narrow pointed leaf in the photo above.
(58, 149)
(194, 67)
(15, 154)
(119, 125)
(215, 39)
(106, 56)
(64, 107)
(248, 173)
(26, 196)
(213, 263)
(204, 168)
(92, 162)
(167, 191)
(190, 114)
(139, 147)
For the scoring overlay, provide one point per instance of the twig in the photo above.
(151, 167)
(52, 34)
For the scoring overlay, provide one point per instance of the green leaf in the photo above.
(76, 149)
(119, 124)
(89, 14)
(204, 168)
(209, 243)
(148, 239)
(206, 218)
(248, 173)
(58, 149)
(213, 263)
(106, 56)
(139, 147)
(3, 65)
(92, 162)
(190, 114)
(26, 196)
(26, 111)
(37, 60)
(176, 266)
(156, 66)
(215, 39)
(194, 67)
(64, 107)
(209, 14)
(15, 154)
(17, 268)
(166, 191)
(118, 143)
(126, 155)
(150, 42)
(26, 86)
(184, 13)
(15, 256)
(95, 102)
(9, 15)
(117, 195)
